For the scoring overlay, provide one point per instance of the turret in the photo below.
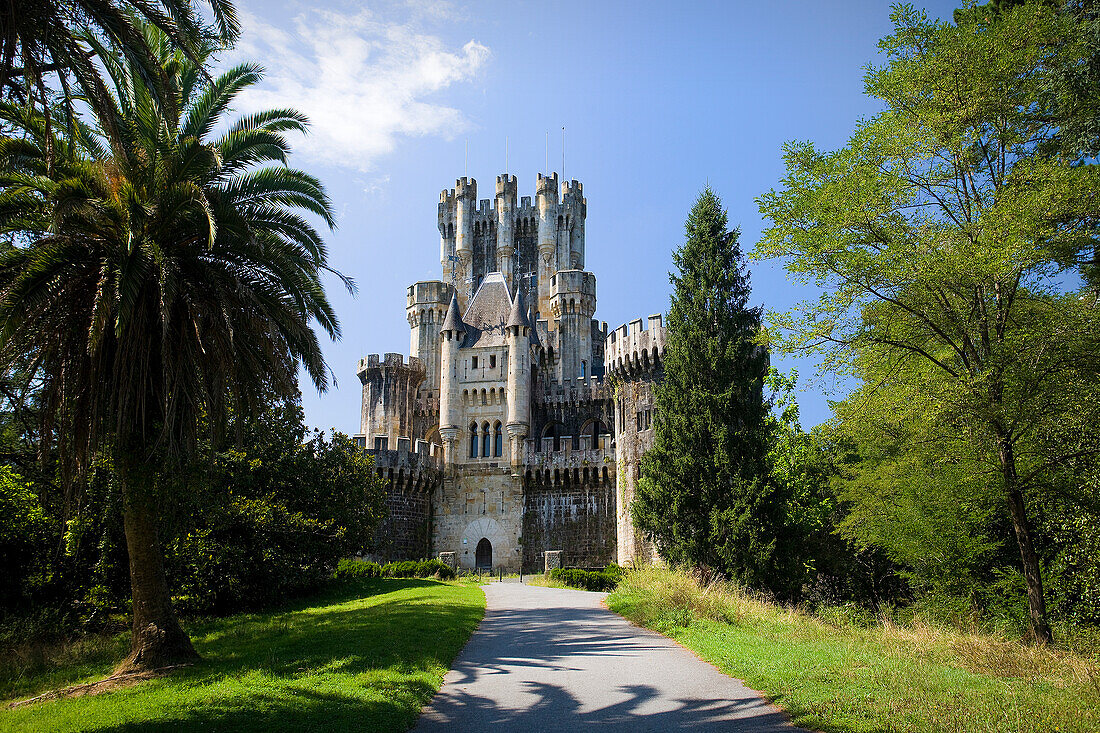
(575, 208)
(505, 211)
(518, 338)
(446, 220)
(465, 208)
(572, 305)
(450, 335)
(425, 309)
(546, 191)
(389, 394)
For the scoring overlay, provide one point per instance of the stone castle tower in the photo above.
(516, 426)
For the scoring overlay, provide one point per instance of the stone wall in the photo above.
(405, 533)
(476, 502)
(635, 353)
(578, 519)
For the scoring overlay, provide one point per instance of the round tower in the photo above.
(505, 208)
(389, 400)
(546, 190)
(450, 417)
(465, 208)
(425, 309)
(575, 209)
(572, 305)
(446, 219)
(517, 334)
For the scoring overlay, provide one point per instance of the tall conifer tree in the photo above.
(704, 494)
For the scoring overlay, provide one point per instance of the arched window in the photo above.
(485, 440)
(473, 440)
(584, 369)
(498, 442)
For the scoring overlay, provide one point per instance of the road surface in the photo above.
(546, 659)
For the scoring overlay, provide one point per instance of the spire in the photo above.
(518, 315)
(453, 321)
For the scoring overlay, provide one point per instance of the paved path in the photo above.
(545, 659)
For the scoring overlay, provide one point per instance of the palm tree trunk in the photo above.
(1040, 628)
(157, 640)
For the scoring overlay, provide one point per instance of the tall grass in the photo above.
(842, 669)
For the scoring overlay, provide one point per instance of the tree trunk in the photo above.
(1040, 629)
(157, 641)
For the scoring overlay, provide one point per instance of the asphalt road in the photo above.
(545, 659)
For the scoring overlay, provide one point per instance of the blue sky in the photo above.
(657, 99)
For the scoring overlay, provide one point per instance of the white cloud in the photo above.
(364, 81)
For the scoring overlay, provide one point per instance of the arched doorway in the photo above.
(483, 555)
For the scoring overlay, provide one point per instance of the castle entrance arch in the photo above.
(484, 554)
(489, 531)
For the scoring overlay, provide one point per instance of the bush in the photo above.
(418, 569)
(596, 580)
(348, 568)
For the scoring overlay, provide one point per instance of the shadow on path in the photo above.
(548, 659)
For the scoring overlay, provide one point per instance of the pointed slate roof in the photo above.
(453, 322)
(487, 312)
(518, 316)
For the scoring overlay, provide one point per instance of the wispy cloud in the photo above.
(364, 80)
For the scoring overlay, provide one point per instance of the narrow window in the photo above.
(584, 368)
(492, 361)
(475, 363)
(639, 420)
(498, 447)
(485, 441)
(473, 441)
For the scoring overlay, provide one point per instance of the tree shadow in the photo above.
(546, 664)
(310, 666)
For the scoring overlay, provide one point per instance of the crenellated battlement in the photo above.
(547, 186)
(573, 282)
(466, 188)
(389, 362)
(428, 292)
(407, 469)
(572, 391)
(507, 187)
(634, 347)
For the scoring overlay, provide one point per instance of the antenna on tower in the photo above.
(563, 154)
(466, 161)
(547, 151)
(506, 171)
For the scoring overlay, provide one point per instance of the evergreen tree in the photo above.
(704, 494)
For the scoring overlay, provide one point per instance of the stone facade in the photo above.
(516, 426)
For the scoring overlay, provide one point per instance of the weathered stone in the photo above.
(519, 421)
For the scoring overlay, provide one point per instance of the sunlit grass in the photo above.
(836, 675)
(366, 656)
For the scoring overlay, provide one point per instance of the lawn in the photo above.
(366, 655)
(846, 677)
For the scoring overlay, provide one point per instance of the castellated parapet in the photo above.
(500, 438)
(389, 399)
(635, 354)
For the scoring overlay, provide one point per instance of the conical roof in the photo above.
(453, 322)
(518, 315)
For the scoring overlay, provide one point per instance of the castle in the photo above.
(516, 426)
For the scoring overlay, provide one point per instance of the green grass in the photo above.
(846, 677)
(366, 655)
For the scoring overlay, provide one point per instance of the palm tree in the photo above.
(152, 278)
(59, 40)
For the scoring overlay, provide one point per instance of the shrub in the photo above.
(349, 568)
(596, 580)
(418, 569)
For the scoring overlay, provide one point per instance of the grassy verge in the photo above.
(840, 676)
(365, 655)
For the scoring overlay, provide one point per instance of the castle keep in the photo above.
(518, 421)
